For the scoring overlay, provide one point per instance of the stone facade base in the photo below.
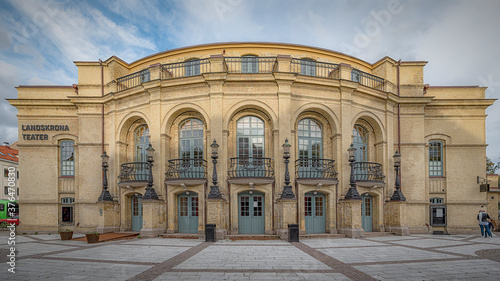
(395, 217)
(154, 224)
(109, 217)
(107, 229)
(351, 219)
(151, 232)
(352, 232)
(398, 230)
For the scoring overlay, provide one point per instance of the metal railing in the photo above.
(315, 68)
(134, 171)
(315, 168)
(250, 167)
(185, 69)
(368, 171)
(186, 169)
(250, 64)
(132, 80)
(367, 79)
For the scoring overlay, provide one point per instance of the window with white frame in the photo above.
(435, 158)
(67, 156)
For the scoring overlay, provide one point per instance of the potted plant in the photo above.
(92, 237)
(66, 234)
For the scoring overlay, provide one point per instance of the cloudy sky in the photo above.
(39, 40)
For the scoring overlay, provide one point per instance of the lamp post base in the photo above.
(105, 196)
(214, 193)
(287, 193)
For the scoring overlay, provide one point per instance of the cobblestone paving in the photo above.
(415, 257)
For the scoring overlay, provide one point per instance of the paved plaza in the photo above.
(415, 257)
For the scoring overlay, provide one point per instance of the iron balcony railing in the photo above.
(367, 171)
(186, 169)
(367, 79)
(250, 167)
(315, 168)
(133, 172)
(185, 69)
(132, 80)
(315, 68)
(250, 64)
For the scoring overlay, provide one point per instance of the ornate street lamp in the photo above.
(214, 189)
(397, 195)
(287, 189)
(150, 191)
(352, 193)
(105, 196)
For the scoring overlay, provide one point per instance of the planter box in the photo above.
(92, 238)
(66, 235)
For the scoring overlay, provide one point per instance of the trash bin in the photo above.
(293, 233)
(209, 232)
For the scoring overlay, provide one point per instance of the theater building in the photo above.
(278, 120)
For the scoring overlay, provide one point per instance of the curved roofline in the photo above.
(242, 43)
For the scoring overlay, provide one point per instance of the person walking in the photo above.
(483, 217)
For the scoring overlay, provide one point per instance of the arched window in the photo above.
(191, 139)
(249, 64)
(250, 137)
(141, 137)
(67, 158)
(360, 142)
(310, 139)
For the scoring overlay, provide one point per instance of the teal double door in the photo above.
(188, 212)
(367, 212)
(136, 207)
(314, 212)
(251, 216)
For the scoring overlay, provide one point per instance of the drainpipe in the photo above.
(102, 109)
(399, 111)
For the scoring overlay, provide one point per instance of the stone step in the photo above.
(252, 237)
(321, 235)
(182, 236)
(112, 236)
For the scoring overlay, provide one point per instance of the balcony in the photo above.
(315, 68)
(132, 80)
(250, 64)
(185, 69)
(186, 171)
(250, 170)
(314, 171)
(368, 174)
(367, 79)
(133, 174)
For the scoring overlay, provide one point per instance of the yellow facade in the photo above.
(250, 98)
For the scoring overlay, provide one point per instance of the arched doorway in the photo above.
(188, 212)
(136, 201)
(367, 212)
(251, 213)
(314, 212)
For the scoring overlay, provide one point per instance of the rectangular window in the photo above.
(438, 215)
(5, 173)
(6, 190)
(192, 67)
(308, 67)
(67, 209)
(249, 64)
(436, 159)
(67, 159)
